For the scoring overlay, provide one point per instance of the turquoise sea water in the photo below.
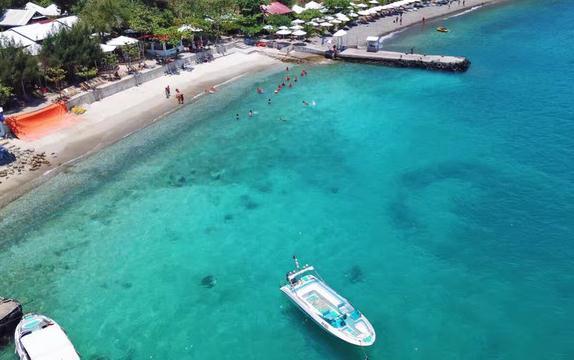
(441, 205)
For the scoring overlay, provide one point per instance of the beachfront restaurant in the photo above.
(158, 46)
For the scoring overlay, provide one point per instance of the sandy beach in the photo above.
(119, 115)
(116, 117)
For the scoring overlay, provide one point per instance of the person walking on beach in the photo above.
(178, 96)
(167, 92)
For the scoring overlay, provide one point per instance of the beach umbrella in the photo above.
(283, 32)
(329, 18)
(297, 9)
(296, 27)
(340, 33)
(335, 21)
(362, 5)
(312, 5)
(373, 2)
(107, 48)
(298, 22)
(325, 24)
(283, 27)
(122, 41)
(364, 13)
(299, 33)
(342, 17)
(183, 28)
(353, 15)
(268, 27)
(313, 23)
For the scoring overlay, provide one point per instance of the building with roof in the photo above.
(50, 10)
(276, 8)
(31, 36)
(17, 17)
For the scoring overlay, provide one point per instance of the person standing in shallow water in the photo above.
(167, 92)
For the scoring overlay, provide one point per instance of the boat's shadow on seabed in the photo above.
(325, 344)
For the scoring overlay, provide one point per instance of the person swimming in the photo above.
(250, 113)
(269, 101)
(305, 103)
(236, 116)
(259, 90)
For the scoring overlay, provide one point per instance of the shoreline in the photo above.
(98, 128)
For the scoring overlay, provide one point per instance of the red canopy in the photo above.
(276, 8)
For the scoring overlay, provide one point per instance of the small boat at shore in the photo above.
(38, 337)
(442, 29)
(327, 308)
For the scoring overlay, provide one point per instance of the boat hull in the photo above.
(324, 325)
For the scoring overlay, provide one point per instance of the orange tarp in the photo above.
(39, 123)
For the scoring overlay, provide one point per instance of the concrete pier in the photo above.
(397, 59)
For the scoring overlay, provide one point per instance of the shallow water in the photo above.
(440, 204)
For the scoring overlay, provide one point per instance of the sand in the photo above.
(116, 117)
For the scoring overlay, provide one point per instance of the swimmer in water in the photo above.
(305, 103)
(290, 85)
(250, 113)
(236, 116)
(259, 90)
(269, 101)
(295, 79)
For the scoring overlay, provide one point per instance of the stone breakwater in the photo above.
(396, 59)
(26, 160)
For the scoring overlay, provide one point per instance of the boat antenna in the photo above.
(296, 262)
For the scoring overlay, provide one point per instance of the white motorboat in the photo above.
(330, 310)
(38, 337)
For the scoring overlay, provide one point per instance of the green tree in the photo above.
(279, 20)
(310, 14)
(66, 5)
(148, 19)
(86, 73)
(18, 69)
(71, 49)
(55, 75)
(250, 7)
(105, 15)
(336, 4)
(5, 94)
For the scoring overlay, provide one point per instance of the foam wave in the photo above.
(465, 12)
